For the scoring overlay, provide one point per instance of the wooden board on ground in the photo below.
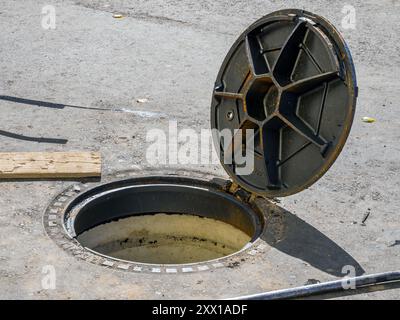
(41, 165)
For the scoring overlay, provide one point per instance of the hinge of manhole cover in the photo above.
(234, 189)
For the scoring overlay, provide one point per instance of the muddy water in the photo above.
(165, 239)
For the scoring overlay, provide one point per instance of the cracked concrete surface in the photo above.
(92, 65)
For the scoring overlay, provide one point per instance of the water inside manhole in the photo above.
(165, 239)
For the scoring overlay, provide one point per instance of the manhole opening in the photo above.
(163, 223)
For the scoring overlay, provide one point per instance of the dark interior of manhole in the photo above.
(165, 223)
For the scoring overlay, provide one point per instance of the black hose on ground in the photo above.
(346, 284)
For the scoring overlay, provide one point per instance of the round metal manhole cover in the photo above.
(290, 78)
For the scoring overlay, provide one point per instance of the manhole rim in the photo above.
(54, 215)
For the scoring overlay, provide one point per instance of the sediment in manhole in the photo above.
(168, 222)
(165, 239)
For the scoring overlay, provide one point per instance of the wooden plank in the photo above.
(40, 165)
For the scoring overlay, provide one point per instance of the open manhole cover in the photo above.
(290, 78)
